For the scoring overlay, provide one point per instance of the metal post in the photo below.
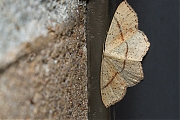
(97, 27)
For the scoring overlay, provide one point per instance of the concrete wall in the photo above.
(43, 59)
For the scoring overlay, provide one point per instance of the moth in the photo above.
(125, 48)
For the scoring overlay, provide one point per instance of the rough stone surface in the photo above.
(48, 77)
(22, 21)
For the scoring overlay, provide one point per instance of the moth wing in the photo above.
(132, 49)
(113, 86)
(124, 24)
(131, 71)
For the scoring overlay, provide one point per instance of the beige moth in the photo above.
(125, 48)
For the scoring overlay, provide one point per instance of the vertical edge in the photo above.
(179, 57)
(97, 23)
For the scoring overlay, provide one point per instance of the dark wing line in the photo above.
(110, 80)
(124, 63)
(120, 30)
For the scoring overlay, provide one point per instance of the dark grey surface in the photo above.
(96, 26)
(157, 96)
